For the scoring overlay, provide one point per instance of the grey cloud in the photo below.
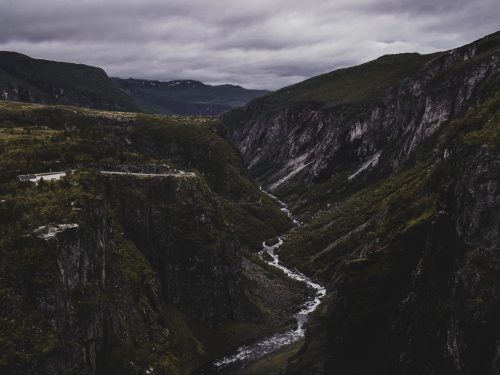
(261, 44)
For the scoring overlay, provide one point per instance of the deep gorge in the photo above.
(156, 251)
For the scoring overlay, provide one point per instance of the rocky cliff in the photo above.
(301, 144)
(114, 273)
(413, 278)
(398, 183)
(179, 227)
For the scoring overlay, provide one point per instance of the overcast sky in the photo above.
(254, 43)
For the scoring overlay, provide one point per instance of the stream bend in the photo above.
(254, 351)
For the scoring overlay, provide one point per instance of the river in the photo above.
(252, 352)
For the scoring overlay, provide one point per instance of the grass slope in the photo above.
(38, 138)
(55, 82)
(350, 85)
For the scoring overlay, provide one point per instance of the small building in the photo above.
(27, 177)
(41, 176)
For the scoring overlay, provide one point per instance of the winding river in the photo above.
(260, 348)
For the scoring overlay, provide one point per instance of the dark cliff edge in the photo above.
(397, 178)
(130, 254)
(179, 227)
(95, 306)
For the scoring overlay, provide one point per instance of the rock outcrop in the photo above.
(144, 245)
(114, 288)
(178, 226)
(423, 299)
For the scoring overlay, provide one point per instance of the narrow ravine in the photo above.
(271, 344)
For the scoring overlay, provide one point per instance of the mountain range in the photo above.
(186, 97)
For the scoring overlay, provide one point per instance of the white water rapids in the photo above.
(277, 341)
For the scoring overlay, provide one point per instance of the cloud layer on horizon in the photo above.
(258, 44)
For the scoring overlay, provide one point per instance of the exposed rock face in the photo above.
(428, 305)
(303, 144)
(82, 257)
(94, 316)
(178, 226)
(145, 244)
(457, 275)
(409, 242)
(136, 268)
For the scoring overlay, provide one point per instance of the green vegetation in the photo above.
(355, 85)
(37, 138)
(28, 268)
(60, 83)
(360, 84)
(273, 363)
(161, 341)
(406, 237)
(30, 275)
(271, 291)
(380, 214)
(482, 124)
(349, 90)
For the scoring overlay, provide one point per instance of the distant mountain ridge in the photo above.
(26, 79)
(185, 97)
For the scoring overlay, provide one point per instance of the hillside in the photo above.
(415, 260)
(316, 150)
(185, 97)
(394, 166)
(25, 79)
(136, 256)
(354, 85)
